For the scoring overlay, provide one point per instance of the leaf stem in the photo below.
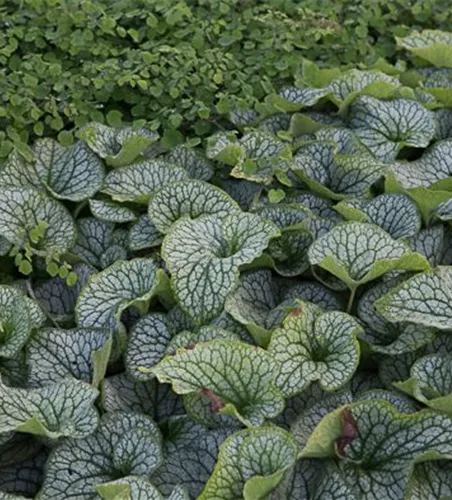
(351, 299)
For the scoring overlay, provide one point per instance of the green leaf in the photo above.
(251, 464)
(204, 255)
(315, 345)
(65, 408)
(191, 199)
(108, 293)
(395, 213)
(118, 146)
(196, 165)
(54, 354)
(431, 479)
(431, 168)
(431, 45)
(59, 299)
(111, 212)
(425, 299)
(135, 487)
(334, 175)
(387, 126)
(430, 382)
(190, 455)
(239, 378)
(355, 433)
(260, 302)
(120, 393)
(143, 234)
(125, 444)
(137, 182)
(22, 209)
(358, 252)
(293, 99)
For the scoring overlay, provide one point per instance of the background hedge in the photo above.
(66, 62)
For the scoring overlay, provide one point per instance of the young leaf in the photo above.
(64, 408)
(313, 345)
(204, 255)
(425, 299)
(359, 252)
(239, 378)
(251, 463)
(143, 234)
(191, 199)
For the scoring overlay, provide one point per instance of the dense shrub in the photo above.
(263, 314)
(175, 64)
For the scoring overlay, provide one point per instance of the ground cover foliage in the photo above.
(179, 66)
(263, 314)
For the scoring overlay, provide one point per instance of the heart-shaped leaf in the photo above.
(204, 255)
(237, 377)
(315, 345)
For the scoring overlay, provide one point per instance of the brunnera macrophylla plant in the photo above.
(264, 316)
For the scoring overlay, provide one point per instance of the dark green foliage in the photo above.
(66, 62)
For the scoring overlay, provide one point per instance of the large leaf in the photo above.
(329, 172)
(194, 163)
(397, 214)
(82, 353)
(22, 209)
(136, 488)
(431, 480)
(121, 393)
(139, 181)
(431, 382)
(238, 378)
(108, 293)
(190, 455)
(204, 256)
(188, 199)
(64, 408)
(111, 212)
(431, 45)
(251, 464)
(117, 146)
(432, 167)
(387, 126)
(125, 444)
(260, 302)
(144, 234)
(377, 446)
(359, 252)
(313, 345)
(425, 299)
(73, 173)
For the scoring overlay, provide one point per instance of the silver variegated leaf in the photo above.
(204, 255)
(111, 212)
(237, 377)
(313, 345)
(124, 444)
(387, 126)
(22, 209)
(188, 199)
(118, 146)
(197, 166)
(137, 182)
(64, 408)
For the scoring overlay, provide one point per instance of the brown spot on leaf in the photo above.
(216, 403)
(349, 431)
(296, 312)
